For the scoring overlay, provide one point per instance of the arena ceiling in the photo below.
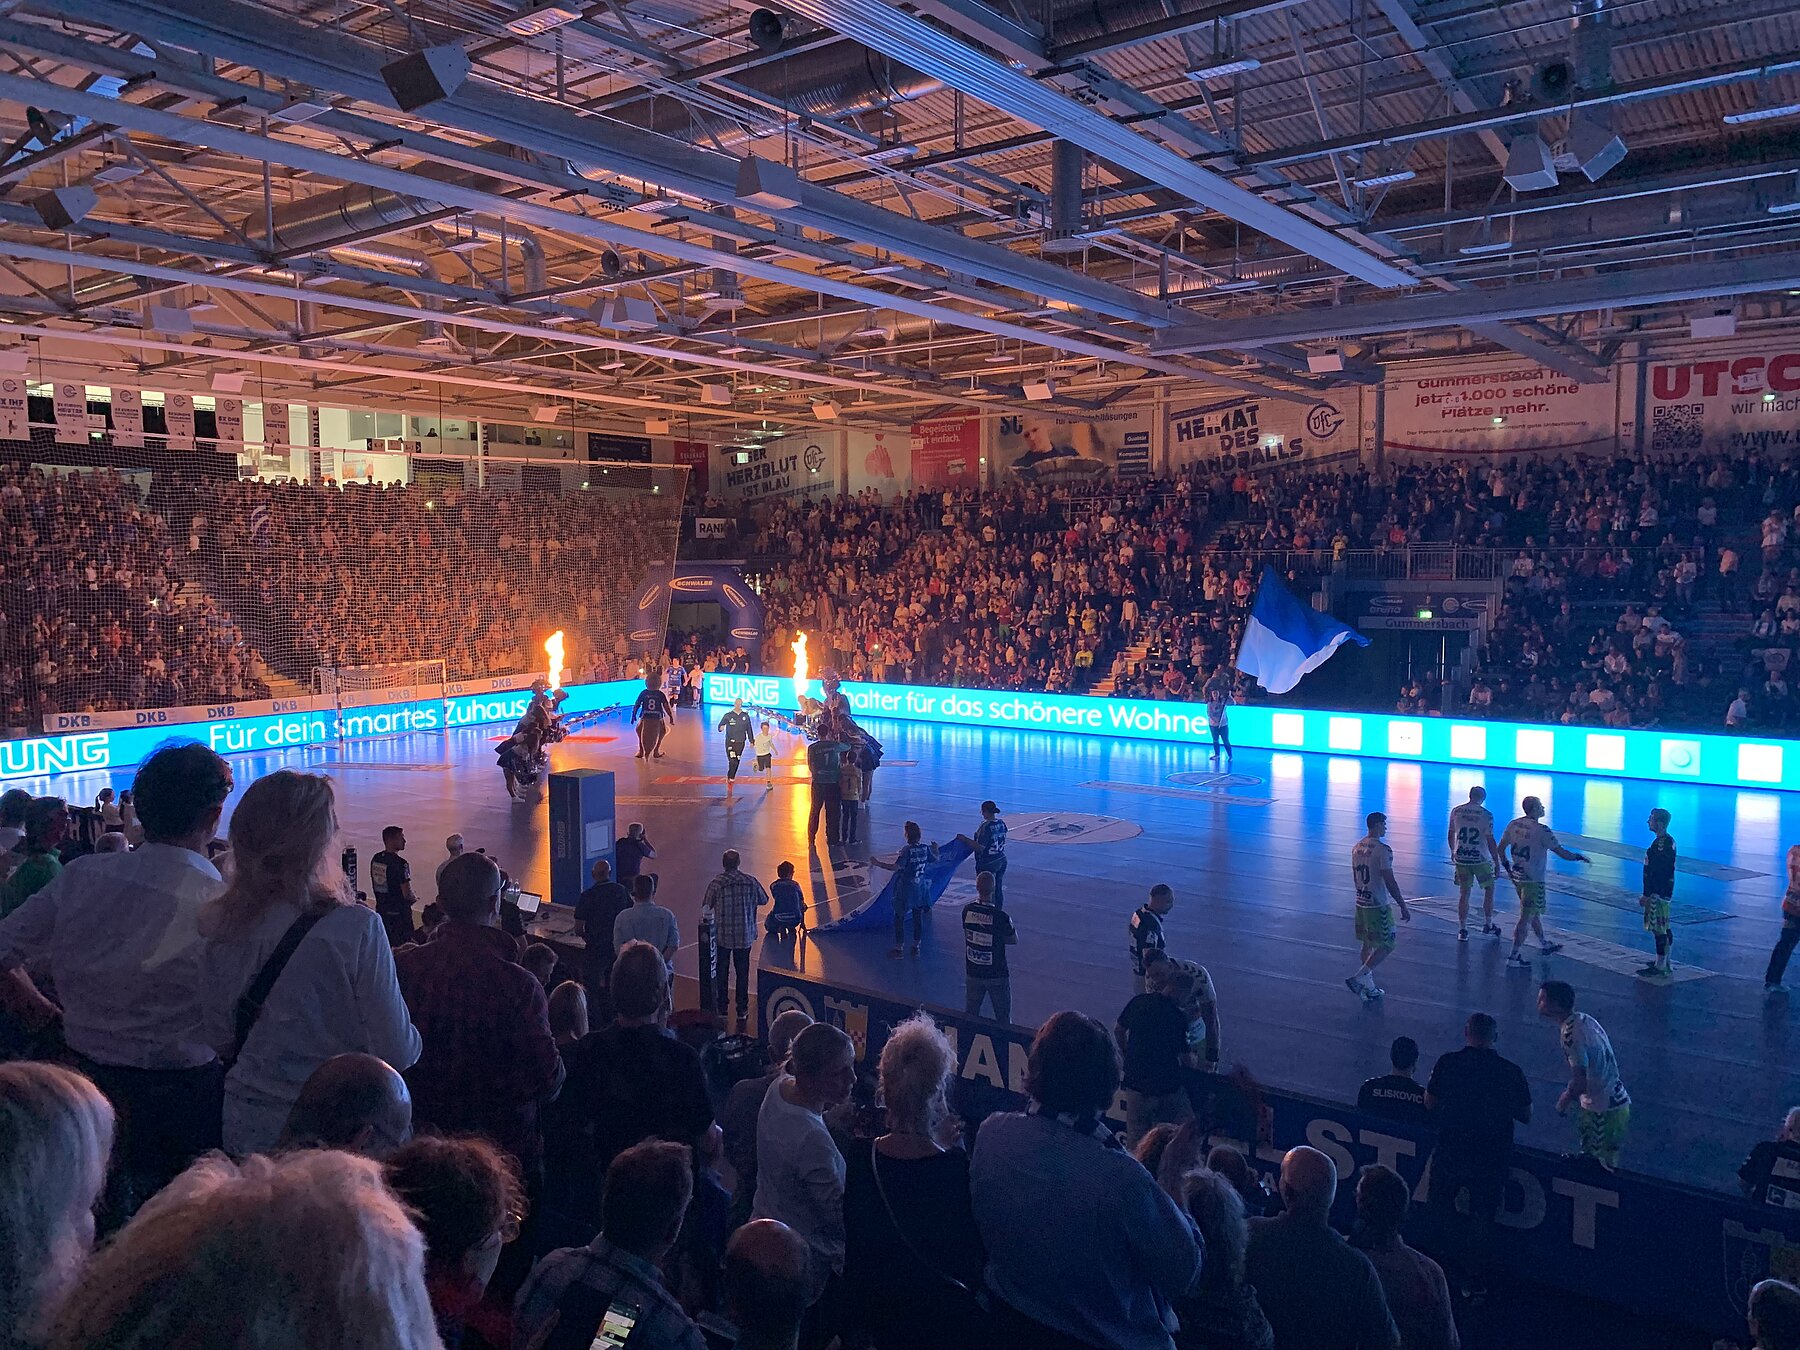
(880, 210)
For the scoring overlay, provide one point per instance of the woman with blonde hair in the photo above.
(912, 1257)
(292, 1253)
(56, 1133)
(293, 970)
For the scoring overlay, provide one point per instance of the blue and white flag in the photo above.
(1286, 640)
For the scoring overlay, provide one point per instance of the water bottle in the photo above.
(349, 865)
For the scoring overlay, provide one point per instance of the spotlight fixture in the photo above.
(1040, 391)
(1224, 69)
(424, 77)
(543, 16)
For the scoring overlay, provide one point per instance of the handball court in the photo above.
(1258, 858)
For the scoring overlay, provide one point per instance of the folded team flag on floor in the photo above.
(1286, 640)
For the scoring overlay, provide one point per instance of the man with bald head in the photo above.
(489, 1058)
(1318, 1291)
(766, 1285)
(352, 1102)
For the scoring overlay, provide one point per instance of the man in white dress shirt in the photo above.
(116, 933)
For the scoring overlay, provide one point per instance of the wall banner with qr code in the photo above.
(1492, 408)
(1736, 399)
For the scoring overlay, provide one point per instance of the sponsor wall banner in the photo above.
(178, 411)
(1693, 757)
(697, 455)
(72, 416)
(128, 418)
(630, 449)
(276, 433)
(1261, 434)
(947, 453)
(794, 466)
(228, 418)
(882, 460)
(1057, 451)
(1560, 1222)
(15, 409)
(1744, 399)
(1472, 408)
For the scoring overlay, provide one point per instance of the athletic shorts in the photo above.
(1475, 874)
(1531, 898)
(1375, 926)
(1656, 914)
(763, 762)
(1603, 1132)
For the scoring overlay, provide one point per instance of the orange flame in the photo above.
(799, 649)
(553, 648)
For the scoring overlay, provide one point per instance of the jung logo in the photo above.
(53, 754)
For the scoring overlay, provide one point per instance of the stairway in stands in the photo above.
(1135, 655)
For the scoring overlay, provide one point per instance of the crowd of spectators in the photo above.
(163, 590)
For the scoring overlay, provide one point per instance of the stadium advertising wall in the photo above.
(1559, 1222)
(1497, 408)
(1264, 434)
(1059, 451)
(1742, 398)
(794, 466)
(947, 453)
(882, 460)
(262, 725)
(1691, 757)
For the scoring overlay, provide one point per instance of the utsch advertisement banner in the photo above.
(881, 460)
(947, 453)
(1744, 400)
(1057, 451)
(1263, 434)
(1470, 408)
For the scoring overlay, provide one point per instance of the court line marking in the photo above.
(1699, 867)
(1591, 951)
(1185, 794)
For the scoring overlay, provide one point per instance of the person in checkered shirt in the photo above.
(648, 1189)
(732, 899)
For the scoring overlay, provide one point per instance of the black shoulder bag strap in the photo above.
(900, 1229)
(250, 1004)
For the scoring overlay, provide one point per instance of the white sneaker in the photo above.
(1372, 993)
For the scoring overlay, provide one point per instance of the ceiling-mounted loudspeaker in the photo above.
(656, 426)
(612, 265)
(1039, 391)
(545, 412)
(1720, 325)
(1593, 146)
(768, 30)
(171, 319)
(1325, 363)
(61, 207)
(421, 78)
(1529, 164)
(764, 183)
(228, 381)
(718, 395)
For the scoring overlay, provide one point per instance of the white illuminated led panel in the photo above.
(1468, 742)
(1681, 758)
(1345, 733)
(1288, 729)
(1606, 752)
(1759, 763)
(1406, 738)
(1536, 747)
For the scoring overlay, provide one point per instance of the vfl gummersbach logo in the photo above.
(1322, 420)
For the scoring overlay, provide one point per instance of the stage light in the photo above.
(424, 77)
